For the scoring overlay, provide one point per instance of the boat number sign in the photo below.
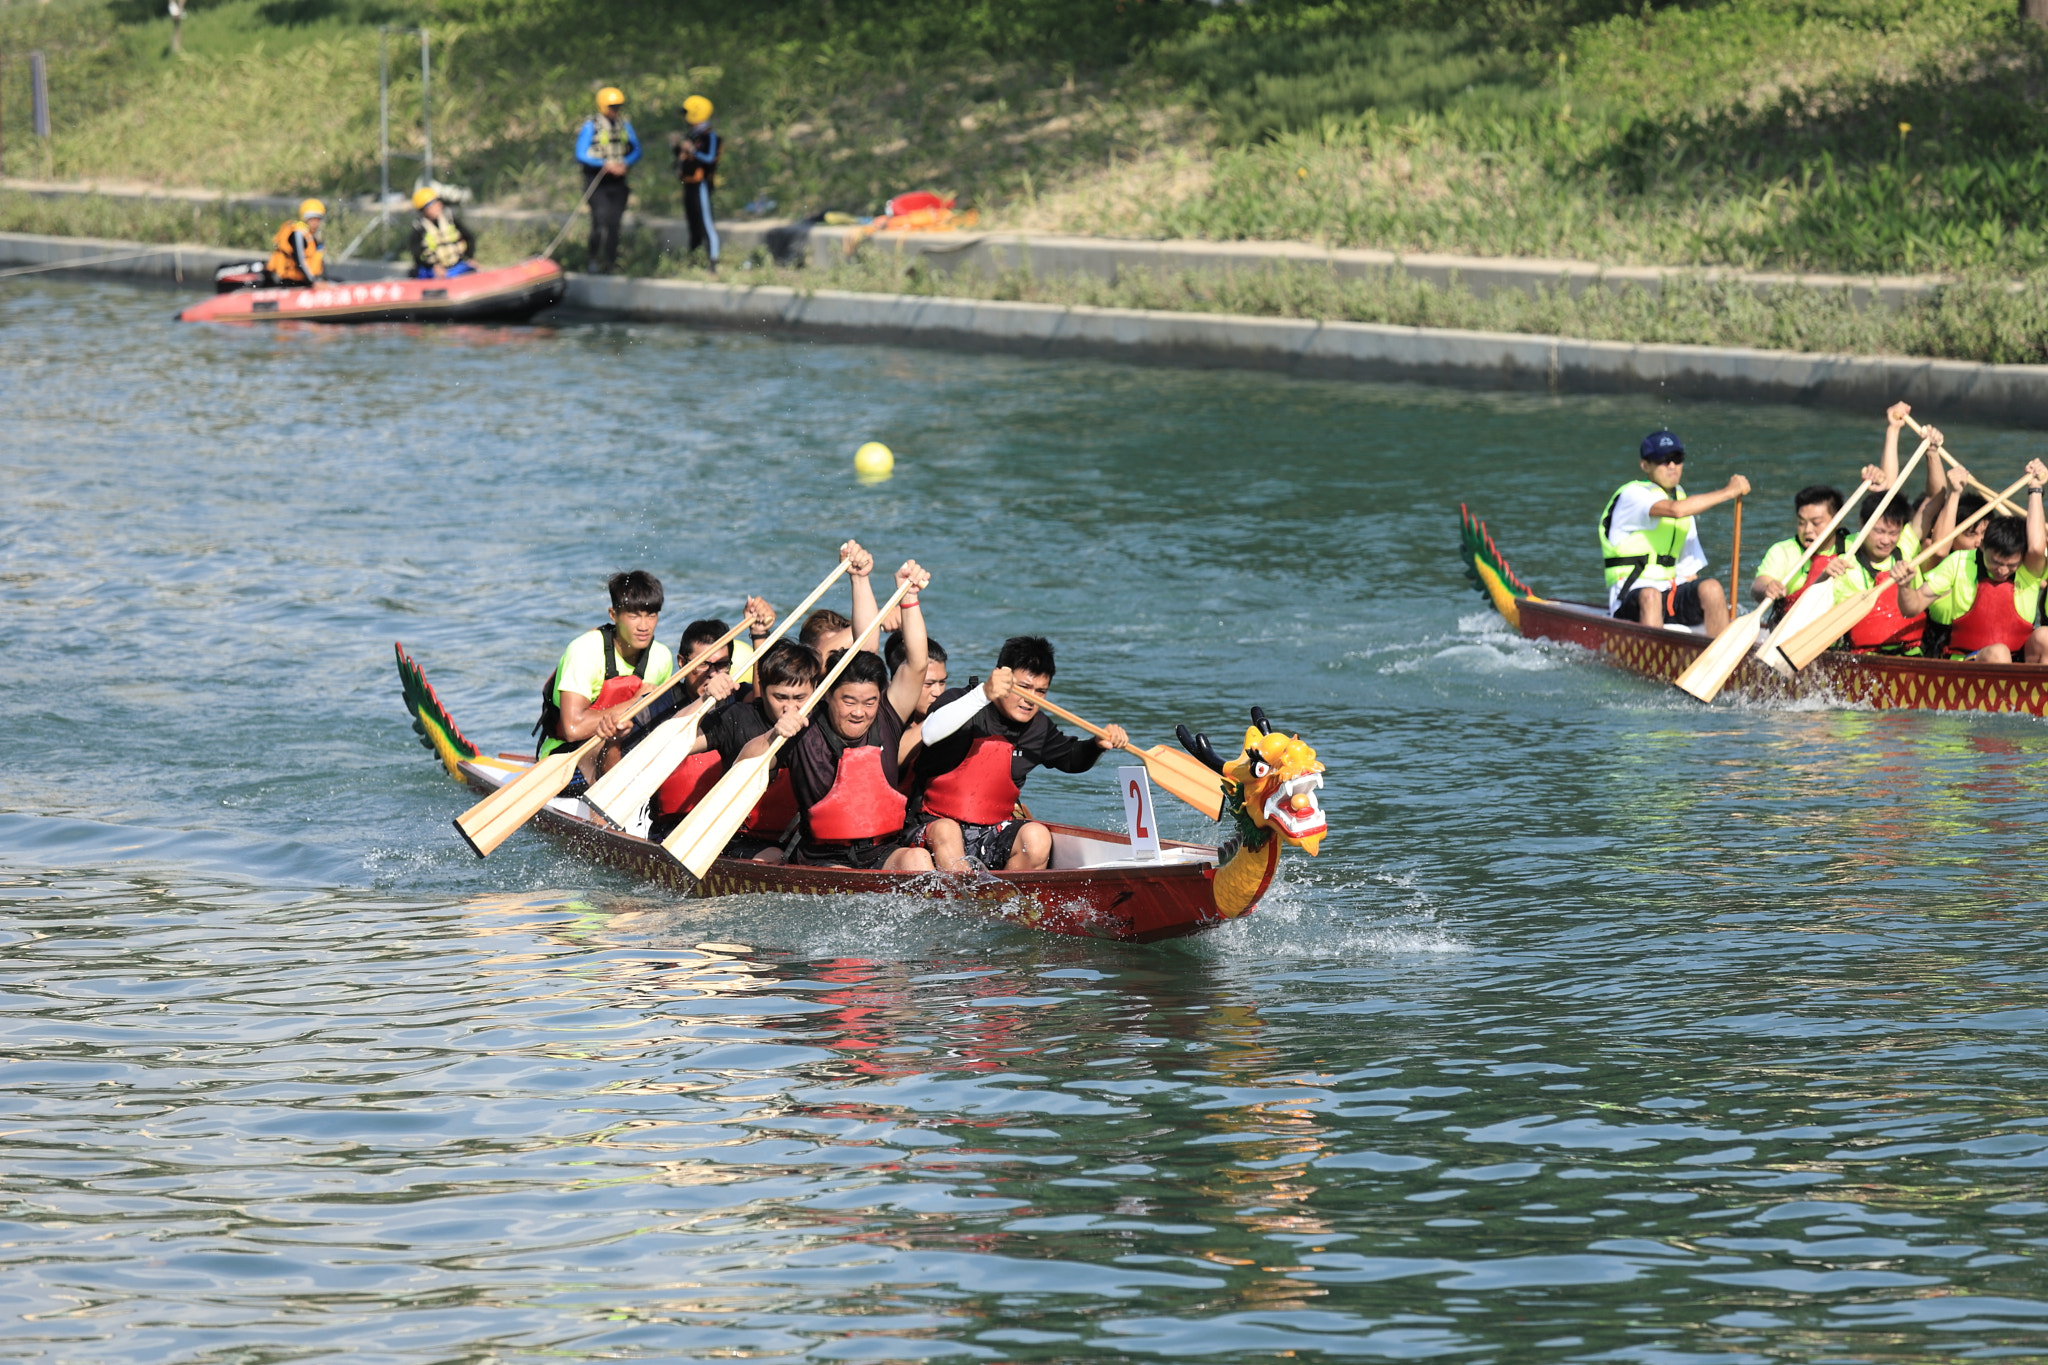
(1137, 792)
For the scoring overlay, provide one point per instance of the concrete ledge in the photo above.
(1339, 350)
(1052, 256)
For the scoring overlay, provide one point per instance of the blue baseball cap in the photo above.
(1660, 446)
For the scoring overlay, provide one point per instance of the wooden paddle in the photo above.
(2005, 505)
(1705, 676)
(1813, 603)
(491, 821)
(1182, 775)
(1804, 648)
(637, 776)
(1735, 552)
(709, 827)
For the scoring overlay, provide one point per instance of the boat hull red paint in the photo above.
(1136, 905)
(1879, 681)
(511, 293)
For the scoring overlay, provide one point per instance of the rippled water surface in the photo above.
(1606, 1028)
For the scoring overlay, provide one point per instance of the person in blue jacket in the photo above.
(607, 147)
(696, 155)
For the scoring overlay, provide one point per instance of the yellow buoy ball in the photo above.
(873, 461)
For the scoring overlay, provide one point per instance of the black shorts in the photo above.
(867, 854)
(1681, 605)
(990, 845)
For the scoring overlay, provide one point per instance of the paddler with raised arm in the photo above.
(1650, 544)
(844, 769)
(980, 743)
(603, 670)
(1985, 601)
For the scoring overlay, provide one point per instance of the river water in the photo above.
(1607, 1027)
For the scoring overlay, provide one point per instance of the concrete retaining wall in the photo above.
(1050, 256)
(1341, 350)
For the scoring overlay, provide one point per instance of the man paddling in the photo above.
(1780, 573)
(785, 676)
(1883, 554)
(603, 670)
(844, 770)
(1650, 544)
(1985, 600)
(980, 745)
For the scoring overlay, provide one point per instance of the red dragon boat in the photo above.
(510, 293)
(1877, 681)
(1094, 888)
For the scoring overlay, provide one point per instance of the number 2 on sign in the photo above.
(1137, 793)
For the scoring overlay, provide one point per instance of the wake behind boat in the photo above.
(1096, 885)
(512, 293)
(1878, 681)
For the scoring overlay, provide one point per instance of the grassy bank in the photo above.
(1861, 135)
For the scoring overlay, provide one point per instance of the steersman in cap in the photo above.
(1650, 544)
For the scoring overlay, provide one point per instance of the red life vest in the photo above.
(1816, 572)
(775, 812)
(1991, 620)
(617, 691)
(1884, 625)
(686, 786)
(861, 804)
(978, 792)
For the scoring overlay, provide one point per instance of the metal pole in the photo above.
(383, 117)
(426, 111)
(39, 93)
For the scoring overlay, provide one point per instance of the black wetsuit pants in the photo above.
(607, 210)
(703, 230)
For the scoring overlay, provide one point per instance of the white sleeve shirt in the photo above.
(1632, 513)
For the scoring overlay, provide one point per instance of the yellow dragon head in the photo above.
(1276, 780)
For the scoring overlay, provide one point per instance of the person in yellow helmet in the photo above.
(607, 147)
(295, 251)
(440, 245)
(696, 159)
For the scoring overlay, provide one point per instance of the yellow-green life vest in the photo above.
(1628, 558)
(442, 244)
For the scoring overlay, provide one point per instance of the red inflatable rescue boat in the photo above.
(510, 293)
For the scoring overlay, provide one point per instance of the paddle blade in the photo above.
(1811, 606)
(490, 822)
(1185, 777)
(1803, 648)
(705, 831)
(619, 795)
(1705, 676)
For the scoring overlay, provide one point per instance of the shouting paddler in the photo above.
(1650, 544)
(1888, 543)
(844, 770)
(603, 670)
(980, 744)
(1781, 574)
(1985, 601)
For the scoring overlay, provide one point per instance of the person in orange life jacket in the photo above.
(1985, 600)
(784, 679)
(603, 670)
(295, 260)
(1879, 559)
(980, 745)
(696, 160)
(934, 684)
(1652, 548)
(844, 769)
(713, 678)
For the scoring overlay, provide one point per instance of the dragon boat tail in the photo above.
(1096, 886)
(1876, 681)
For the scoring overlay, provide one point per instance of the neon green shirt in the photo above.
(1954, 581)
(581, 671)
(1778, 561)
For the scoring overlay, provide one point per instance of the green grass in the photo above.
(1755, 133)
